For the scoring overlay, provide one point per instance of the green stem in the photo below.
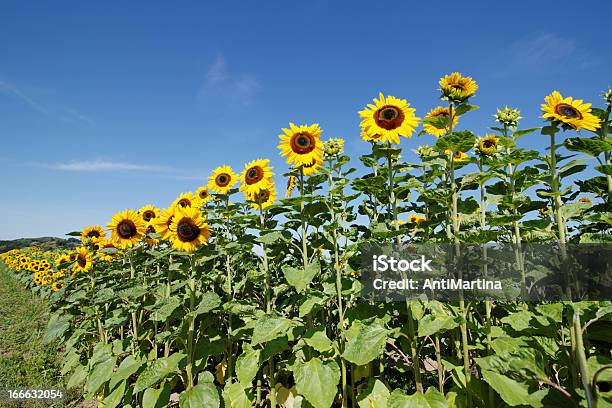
(190, 335)
(582, 361)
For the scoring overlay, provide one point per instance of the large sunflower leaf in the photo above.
(365, 342)
(317, 381)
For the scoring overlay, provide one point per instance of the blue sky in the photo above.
(110, 105)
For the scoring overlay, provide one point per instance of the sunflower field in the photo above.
(234, 296)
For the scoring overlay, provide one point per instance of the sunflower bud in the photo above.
(607, 96)
(508, 117)
(333, 148)
(425, 151)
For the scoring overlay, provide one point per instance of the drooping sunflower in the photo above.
(148, 212)
(57, 286)
(265, 198)
(188, 230)
(416, 219)
(187, 200)
(151, 230)
(302, 147)
(488, 145)
(84, 260)
(458, 156)
(457, 88)
(390, 118)
(436, 129)
(290, 186)
(162, 224)
(569, 111)
(127, 228)
(222, 179)
(92, 233)
(203, 195)
(257, 175)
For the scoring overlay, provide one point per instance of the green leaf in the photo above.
(465, 108)
(235, 396)
(114, 395)
(591, 146)
(210, 301)
(158, 370)
(317, 381)
(520, 133)
(128, 366)
(375, 395)
(457, 141)
(99, 375)
(512, 392)
(202, 395)
(247, 366)
(157, 397)
(365, 342)
(300, 278)
(270, 328)
(57, 326)
(430, 399)
(573, 210)
(604, 169)
(77, 377)
(436, 323)
(318, 340)
(164, 308)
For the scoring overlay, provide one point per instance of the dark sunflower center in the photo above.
(126, 229)
(488, 144)
(150, 229)
(254, 175)
(303, 143)
(93, 234)
(312, 163)
(187, 231)
(184, 203)
(443, 114)
(389, 117)
(148, 215)
(457, 155)
(458, 86)
(262, 196)
(222, 180)
(81, 261)
(568, 111)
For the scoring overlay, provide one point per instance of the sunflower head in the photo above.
(84, 260)
(203, 194)
(92, 233)
(222, 179)
(149, 240)
(162, 224)
(457, 88)
(57, 286)
(570, 113)
(544, 211)
(415, 219)
(508, 117)
(302, 147)
(290, 186)
(188, 230)
(436, 121)
(127, 228)
(585, 200)
(265, 198)
(187, 200)
(488, 145)
(106, 256)
(388, 119)
(257, 175)
(458, 156)
(148, 213)
(333, 148)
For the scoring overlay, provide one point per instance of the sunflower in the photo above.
(585, 200)
(148, 212)
(290, 186)
(222, 179)
(569, 111)
(415, 219)
(162, 224)
(257, 175)
(127, 228)
(202, 194)
(187, 200)
(388, 119)
(458, 156)
(544, 211)
(488, 145)
(92, 233)
(457, 88)
(105, 256)
(265, 198)
(57, 286)
(84, 260)
(62, 260)
(302, 147)
(438, 112)
(188, 230)
(151, 230)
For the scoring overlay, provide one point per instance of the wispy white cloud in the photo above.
(236, 89)
(543, 52)
(100, 165)
(61, 113)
